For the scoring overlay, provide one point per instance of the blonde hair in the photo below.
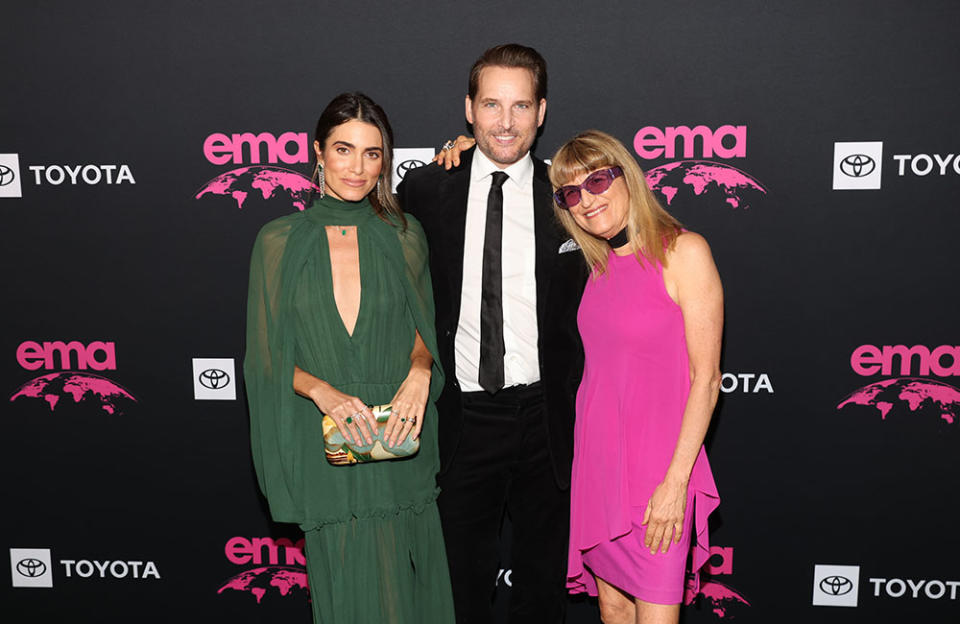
(651, 230)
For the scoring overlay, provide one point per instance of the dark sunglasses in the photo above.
(596, 183)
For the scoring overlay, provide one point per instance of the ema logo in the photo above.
(407, 158)
(273, 580)
(98, 355)
(703, 181)
(836, 585)
(857, 165)
(213, 379)
(248, 148)
(726, 141)
(10, 176)
(264, 181)
(69, 389)
(942, 361)
(907, 395)
(31, 567)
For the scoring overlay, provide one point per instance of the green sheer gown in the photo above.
(374, 546)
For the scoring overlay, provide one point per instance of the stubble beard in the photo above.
(488, 145)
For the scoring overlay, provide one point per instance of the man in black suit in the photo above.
(506, 293)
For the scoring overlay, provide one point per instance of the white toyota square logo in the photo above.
(10, 176)
(31, 567)
(214, 379)
(836, 585)
(407, 158)
(857, 165)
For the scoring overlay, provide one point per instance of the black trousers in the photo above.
(502, 464)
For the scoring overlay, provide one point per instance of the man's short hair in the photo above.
(511, 55)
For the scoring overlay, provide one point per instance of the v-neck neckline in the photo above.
(333, 297)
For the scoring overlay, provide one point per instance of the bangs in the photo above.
(577, 158)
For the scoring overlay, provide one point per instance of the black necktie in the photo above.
(491, 303)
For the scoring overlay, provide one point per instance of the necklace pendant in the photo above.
(343, 232)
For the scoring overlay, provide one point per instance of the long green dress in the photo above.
(374, 546)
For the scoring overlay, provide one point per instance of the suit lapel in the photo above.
(547, 236)
(454, 195)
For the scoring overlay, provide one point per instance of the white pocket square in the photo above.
(570, 245)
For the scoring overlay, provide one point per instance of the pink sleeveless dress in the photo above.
(629, 408)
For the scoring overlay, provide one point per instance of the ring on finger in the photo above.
(448, 146)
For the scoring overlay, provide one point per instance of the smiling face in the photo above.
(352, 159)
(605, 214)
(505, 113)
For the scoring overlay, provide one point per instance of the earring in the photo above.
(320, 181)
(379, 191)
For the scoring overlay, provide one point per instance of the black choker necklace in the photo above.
(619, 239)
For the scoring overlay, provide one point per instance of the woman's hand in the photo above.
(409, 405)
(451, 157)
(664, 515)
(347, 412)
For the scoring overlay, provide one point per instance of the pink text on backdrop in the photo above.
(725, 142)
(242, 550)
(249, 148)
(97, 355)
(942, 361)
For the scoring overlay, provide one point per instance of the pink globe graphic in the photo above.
(283, 581)
(704, 180)
(909, 397)
(721, 599)
(78, 389)
(266, 181)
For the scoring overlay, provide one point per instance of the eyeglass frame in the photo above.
(615, 172)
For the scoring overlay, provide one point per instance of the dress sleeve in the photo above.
(268, 374)
(413, 242)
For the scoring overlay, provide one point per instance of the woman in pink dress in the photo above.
(651, 319)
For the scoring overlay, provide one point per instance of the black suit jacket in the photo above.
(438, 198)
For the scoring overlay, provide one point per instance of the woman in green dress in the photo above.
(340, 317)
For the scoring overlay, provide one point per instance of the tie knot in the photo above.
(499, 178)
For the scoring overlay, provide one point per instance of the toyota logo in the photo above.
(857, 165)
(31, 568)
(6, 175)
(836, 585)
(214, 378)
(407, 165)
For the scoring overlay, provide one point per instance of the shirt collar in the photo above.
(520, 172)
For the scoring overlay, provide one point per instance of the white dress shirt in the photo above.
(518, 258)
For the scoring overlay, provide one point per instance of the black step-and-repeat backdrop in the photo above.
(142, 145)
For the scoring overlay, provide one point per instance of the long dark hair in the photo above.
(356, 106)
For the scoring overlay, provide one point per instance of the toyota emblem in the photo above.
(214, 378)
(31, 568)
(404, 167)
(857, 165)
(6, 175)
(836, 585)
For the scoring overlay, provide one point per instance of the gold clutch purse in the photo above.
(340, 452)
